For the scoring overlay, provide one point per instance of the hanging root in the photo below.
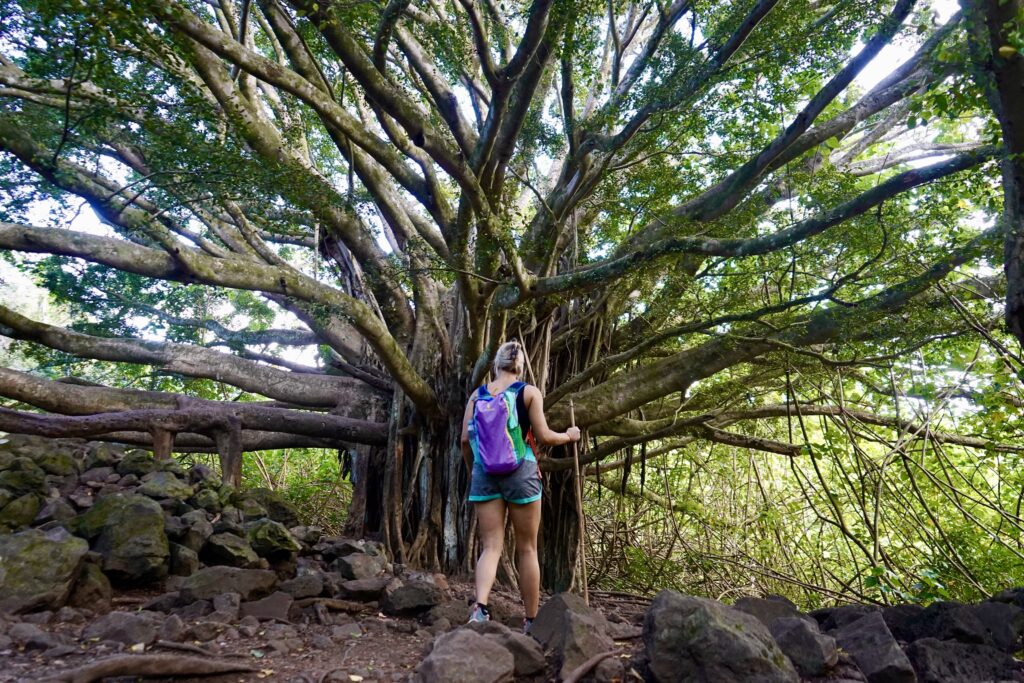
(147, 665)
(584, 668)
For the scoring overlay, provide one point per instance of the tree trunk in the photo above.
(559, 541)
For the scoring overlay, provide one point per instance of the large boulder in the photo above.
(23, 476)
(139, 463)
(942, 661)
(57, 462)
(164, 485)
(228, 549)
(527, 653)
(574, 631)
(212, 581)
(704, 641)
(304, 585)
(811, 652)
(38, 569)
(20, 512)
(767, 610)
(463, 656)
(128, 531)
(832, 618)
(875, 650)
(277, 508)
(995, 624)
(198, 530)
(360, 565)
(102, 455)
(412, 597)
(271, 539)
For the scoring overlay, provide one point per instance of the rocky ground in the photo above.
(116, 566)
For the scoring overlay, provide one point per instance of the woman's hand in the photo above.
(573, 433)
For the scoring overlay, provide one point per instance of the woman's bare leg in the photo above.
(526, 523)
(490, 523)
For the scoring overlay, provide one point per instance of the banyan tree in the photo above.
(329, 213)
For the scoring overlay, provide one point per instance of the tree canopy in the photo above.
(317, 221)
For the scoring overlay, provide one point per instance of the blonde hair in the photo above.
(510, 358)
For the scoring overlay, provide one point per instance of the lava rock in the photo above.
(212, 581)
(939, 661)
(360, 565)
(20, 512)
(365, 589)
(201, 474)
(271, 539)
(227, 604)
(305, 586)
(277, 508)
(307, 534)
(875, 650)
(102, 455)
(274, 607)
(573, 630)
(832, 618)
(413, 597)
(124, 627)
(164, 485)
(57, 462)
(172, 629)
(55, 510)
(198, 531)
(995, 624)
(463, 656)
(128, 531)
(39, 569)
(527, 653)
(23, 476)
(696, 639)
(767, 610)
(92, 590)
(31, 637)
(184, 561)
(899, 619)
(139, 463)
(208, 500)
(811, 652)
(228, 549)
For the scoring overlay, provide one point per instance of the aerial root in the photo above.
(147, 665)
(584, 668)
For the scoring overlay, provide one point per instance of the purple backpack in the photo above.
(495, 434)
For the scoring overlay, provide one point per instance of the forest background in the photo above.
(768, 248)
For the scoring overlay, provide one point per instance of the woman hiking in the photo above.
(502, 421)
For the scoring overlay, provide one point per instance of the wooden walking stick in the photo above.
(578, 483)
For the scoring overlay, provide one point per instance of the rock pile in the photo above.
(79, 520)
(207, 566)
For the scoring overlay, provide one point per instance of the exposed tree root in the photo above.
(147, 665)
(584, 668)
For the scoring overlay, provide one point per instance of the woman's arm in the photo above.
(467, 452)
(535, 405)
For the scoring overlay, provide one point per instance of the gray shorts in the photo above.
(521, 486)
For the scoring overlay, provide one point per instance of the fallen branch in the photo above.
(584, 668)
(147, 665)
